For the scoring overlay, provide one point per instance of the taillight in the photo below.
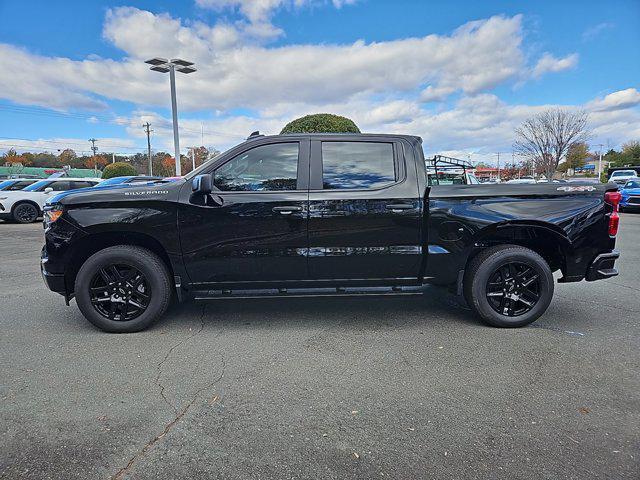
(613, 199)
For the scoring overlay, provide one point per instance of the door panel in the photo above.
(363, 233)
(242, 234)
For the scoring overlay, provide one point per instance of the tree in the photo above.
(67, 156)
(631, 152)
(577, 155)
(546, 137)
(321, 123)
(97, 161)
(118, 169)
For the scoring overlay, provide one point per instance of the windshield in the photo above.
(6, 183)
(624, 173)
(631, 184)
(36, 187)
(114, 181)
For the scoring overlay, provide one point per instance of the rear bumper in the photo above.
(603, 266)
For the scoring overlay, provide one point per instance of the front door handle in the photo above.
(287, 210)
(397, 208)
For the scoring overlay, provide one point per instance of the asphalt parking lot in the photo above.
(322, 388)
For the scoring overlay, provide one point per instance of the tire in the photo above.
(508, 286)
(110, 298)
(25, 212)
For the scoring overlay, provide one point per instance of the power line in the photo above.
(66, 144)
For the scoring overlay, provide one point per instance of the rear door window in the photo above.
(357, 165)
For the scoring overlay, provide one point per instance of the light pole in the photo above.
(163, 65)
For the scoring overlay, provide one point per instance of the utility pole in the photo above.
(600, 161)
(193, 158)
(148, 132)
(113, 158)
(94, 149)
(498, 167)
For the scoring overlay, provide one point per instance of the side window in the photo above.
(19, 185)
(75, 185)
(60, 186)
(263, 168)
(357, 165)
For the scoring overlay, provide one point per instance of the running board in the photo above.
(308, 292)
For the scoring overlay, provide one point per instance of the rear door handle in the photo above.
(396, 208)
(287, 210)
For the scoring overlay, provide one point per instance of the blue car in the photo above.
(129, 179)
(630, 196)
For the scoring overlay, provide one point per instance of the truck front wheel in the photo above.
(123, 289)
(508, 285)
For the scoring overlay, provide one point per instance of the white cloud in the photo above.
(379, 84)
(617, 100)
(548, 63)
(594, 31)
(259, 12)
(233, 72)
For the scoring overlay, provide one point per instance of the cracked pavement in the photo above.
(320, 388)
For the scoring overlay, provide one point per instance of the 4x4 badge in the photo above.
(577, 188)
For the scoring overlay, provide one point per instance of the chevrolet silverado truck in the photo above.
(323, 214)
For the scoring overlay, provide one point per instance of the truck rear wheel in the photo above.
(123, 289)
(508, 286)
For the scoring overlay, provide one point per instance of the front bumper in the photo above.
(54, 281)
(603, 266)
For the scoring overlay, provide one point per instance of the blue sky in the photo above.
(460, 74)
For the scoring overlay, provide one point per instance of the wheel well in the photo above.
(96, 242)
(545, 242)
(31, 202)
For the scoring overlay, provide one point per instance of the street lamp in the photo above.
(163, 65)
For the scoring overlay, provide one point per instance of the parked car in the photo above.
(524, 181)
(630, 200)
(328, 214)
(621, 177)
(15, 184)
(128, 179)
(25, 206)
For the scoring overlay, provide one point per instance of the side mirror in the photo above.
(202, 184)
(48, 190)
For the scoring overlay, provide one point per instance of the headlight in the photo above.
(52, 214)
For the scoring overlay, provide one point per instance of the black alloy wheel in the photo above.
(120, 292)
(508, 285)
(25, 213)
(513, 289)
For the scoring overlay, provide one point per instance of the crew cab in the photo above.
(25, 206)
(324, 214)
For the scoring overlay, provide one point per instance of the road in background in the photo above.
(320, 388)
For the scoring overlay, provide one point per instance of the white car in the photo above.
(623, 176)
(25, 206)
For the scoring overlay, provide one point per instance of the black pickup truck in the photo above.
(299, 215)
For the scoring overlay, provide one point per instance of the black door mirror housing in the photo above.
(202, 184)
